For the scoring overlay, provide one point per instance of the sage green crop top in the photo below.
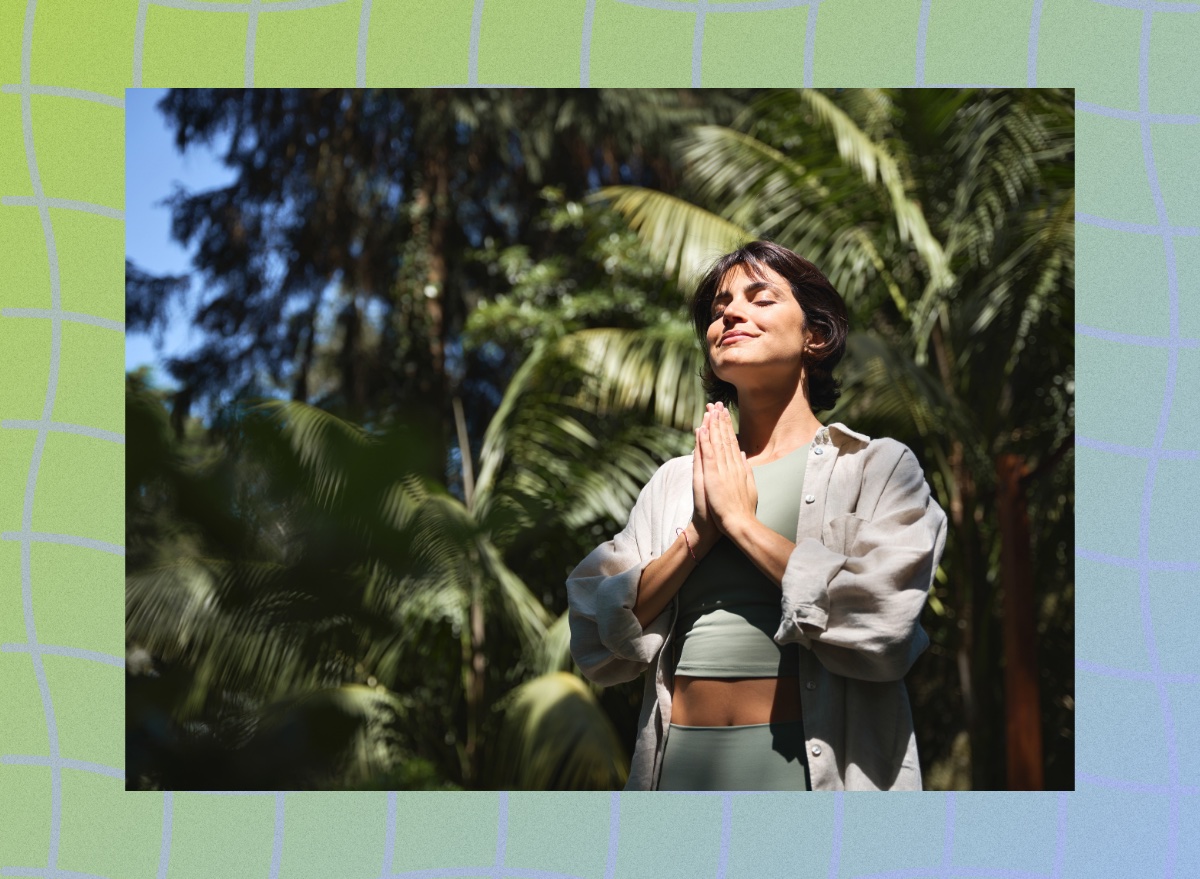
(728, 609)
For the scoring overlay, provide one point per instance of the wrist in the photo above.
(739, 529)
(700, 542)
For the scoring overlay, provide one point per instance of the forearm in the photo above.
(768, 549)
(663, 577)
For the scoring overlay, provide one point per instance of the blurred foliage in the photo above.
(558, 738)
(475, 303)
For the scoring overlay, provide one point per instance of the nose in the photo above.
(733, 313)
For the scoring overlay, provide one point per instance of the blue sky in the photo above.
(152, 169)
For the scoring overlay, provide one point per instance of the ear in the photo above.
(815, 346)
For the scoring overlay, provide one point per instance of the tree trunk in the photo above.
(962, 506)
(1023, 709)
(473, 655)
(300, 387)
(987, 764)
(973, 656)
(435, 292)
(478, 667)
(430, 227)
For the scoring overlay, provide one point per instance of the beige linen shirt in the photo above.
(868, 541)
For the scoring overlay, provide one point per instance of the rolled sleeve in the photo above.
(859, 610)
(607, 641)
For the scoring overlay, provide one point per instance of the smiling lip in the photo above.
(732, 337)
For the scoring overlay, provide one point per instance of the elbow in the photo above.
(896, 663)
(596, 659)
(610, 671)
(896, 657)
(877, 660)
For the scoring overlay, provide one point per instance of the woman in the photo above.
(769, 585)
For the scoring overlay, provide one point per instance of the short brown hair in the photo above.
(824, 316)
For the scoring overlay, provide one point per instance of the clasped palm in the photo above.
(723, 486)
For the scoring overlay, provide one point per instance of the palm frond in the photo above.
(495, 438)
(685, 237)
(554, 653)
(526, 613)
(656, 369)
(872, 159)
(886, 393)
(556, 737)
(743, 173)
(322, 443)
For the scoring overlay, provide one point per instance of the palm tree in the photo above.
(302, 552)
(946, 220)
(310, 556)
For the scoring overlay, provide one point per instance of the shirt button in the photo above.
(811, 685)
(816, 750)
(809, 498)
(818, 451)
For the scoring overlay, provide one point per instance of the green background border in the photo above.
(64, 66)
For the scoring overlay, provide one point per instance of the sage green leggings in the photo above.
(759, 756)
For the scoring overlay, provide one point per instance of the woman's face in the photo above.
(757, 334)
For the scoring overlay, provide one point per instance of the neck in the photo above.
(770, 424)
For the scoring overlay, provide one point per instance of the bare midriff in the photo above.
(734, 701)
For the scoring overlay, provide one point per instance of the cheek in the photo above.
(711, 353)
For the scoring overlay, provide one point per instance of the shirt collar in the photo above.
(838, 427)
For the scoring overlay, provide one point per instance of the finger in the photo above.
(716, 432)
(717, 424)
(708, 455)
(751, 485)
(713, 433)
(729, 442)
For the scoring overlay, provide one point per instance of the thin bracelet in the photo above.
(679, 531)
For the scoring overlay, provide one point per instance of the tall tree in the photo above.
(308, 581)
(336, 263)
